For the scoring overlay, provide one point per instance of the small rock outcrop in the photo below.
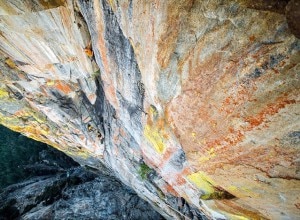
(194, 103)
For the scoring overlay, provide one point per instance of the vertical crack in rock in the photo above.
(131, 91)
(96, 110)
(126, 74)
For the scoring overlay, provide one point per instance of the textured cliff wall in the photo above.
(194, 101)
(40, 182)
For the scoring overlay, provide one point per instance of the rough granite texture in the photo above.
(187, 102)
(73, 194)
(52, 186)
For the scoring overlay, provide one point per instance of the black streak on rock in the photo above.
(271, 63)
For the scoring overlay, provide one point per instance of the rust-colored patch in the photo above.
(252, 38)
(186, 171)
(169, 189)
(166, 156)
(63, 87)
(269, 110)
(179, 180)
(88, 52)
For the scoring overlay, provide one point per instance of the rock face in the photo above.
(191, 103)
(73, 194)
(22, 158)
(44, 183)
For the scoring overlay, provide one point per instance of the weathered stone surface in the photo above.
(206, 93)
(40, 182)
(73, 194)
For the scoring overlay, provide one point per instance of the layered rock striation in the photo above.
(191, 103)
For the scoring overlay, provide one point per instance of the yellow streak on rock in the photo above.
(235, 217)
(3, 93)
(82, 154)
(202, 181)
(10, 63)
(50, 83)
(156, 131)
(154, 137)
(112, 4)
(211, 154)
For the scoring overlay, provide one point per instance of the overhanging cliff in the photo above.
(189, 100)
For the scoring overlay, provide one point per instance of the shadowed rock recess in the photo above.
(194, 103)
(53, 186)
